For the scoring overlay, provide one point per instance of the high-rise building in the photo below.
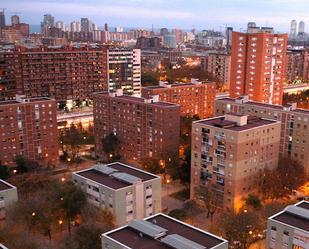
(15, 20)
(294, 141)
(289, 228)
(218, 65)
(228, 153)
(161, 231)
(130, 193)
(28, 128)
(194, 98)
(75, 26)
(258, 65)
(178, 35)
(85, 25)
(146, 127)
(66, 74)
(163, 31)
(60, 25)
(124, 72)
(297, 65)
(229, 34)
(301, 28)
(2, 19)
(169, 40)
(48, 22)
(8, 196)
(293, 29)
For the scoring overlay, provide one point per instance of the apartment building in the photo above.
(28, 127)
(161, 231)
(228, 152)
(294, 138)
(124, 70)
(64, 73)
(289, 229)
(297, 65)
(128, 192)
(194, 98)
(8, 196)
(218, 65)
(258, 65)
(145, 127)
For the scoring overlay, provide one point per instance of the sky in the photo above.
(186, 14)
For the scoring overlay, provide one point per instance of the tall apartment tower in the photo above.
(15, 20)
(28, 128)
(2, 19)
(124, 70)
(294, 124)
(85, 24)
(48, 22)
(301, 28)
(228, 153)
(258, 65)
(293, 29)
(146, 127)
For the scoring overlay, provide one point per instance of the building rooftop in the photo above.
(116, 175)
(288, 107)
(295, 215)
(161, 231)
(236, 122)
(150, 101)
(5, 186)
(23, 100)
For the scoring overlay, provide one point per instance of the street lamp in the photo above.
(33, 214)
(62, 179)
(167, 181)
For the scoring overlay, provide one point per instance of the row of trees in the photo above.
(45, 208)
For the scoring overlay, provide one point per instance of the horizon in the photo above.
(172, 14)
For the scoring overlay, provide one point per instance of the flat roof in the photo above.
(29, 100)
(277, 107)
(139, 100)
(4, 185)
(221, 122)
(131, 238)
(111, 181)
(298, 219)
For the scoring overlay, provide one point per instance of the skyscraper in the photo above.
(85, 25)
(14, 20)
(48, 22)
(293, 29)
(60, 25)
(258, 65)
(301, 28)
(2, 19)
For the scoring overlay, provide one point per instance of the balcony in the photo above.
(220, 136)
(218, 170)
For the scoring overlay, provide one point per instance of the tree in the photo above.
(239, 227)
(152, 165)
(186, 129)
(4, 172)
(291, 174)
(24, 165)
(253, 201)
(70, 200)
(111, 146)
(185, 169)
(72, 138)
(208, 198)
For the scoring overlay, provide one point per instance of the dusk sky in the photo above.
(208, 14)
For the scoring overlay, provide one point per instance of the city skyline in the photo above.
(176, 13)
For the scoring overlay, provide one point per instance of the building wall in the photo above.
(29, 129)
(64, 74)
(195, 99)
(125, 70)
(219, 66)
(280, 235)
(119, 201)
(144, 129)
(258, 66)
(7, 198)
(231, 175)
(294, 138)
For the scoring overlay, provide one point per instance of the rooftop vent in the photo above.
(124, 177)
(178, 242)
(298, 211)
(147, 228)
(105, 169)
